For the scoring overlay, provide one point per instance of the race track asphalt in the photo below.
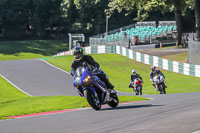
(37, 78)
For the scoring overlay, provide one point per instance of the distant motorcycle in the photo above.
(93, 89)
(137, 86)
(158, 81)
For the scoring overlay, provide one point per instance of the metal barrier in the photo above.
(146, 23)
(194, 52)
(119, 40)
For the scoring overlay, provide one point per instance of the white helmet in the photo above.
(134, 72)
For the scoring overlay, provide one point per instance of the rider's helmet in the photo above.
(153, 68)
(134, 72)
(78, 53)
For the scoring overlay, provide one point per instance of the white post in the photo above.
(70, 44)
(107, 17)
(83, 37)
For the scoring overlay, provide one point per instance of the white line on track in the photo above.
(14, 85)
(55, 66)
(125, 92)
(196, 132)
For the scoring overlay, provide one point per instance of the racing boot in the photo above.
(80, 93)
(165, 84)
(106, 97)
(105, 78)
(156, 88)
(110, 86)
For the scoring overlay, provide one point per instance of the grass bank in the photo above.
(49, 103)
(31, 49)
(118, 68)
(180, 57)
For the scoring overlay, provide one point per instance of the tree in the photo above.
(30, 17)
(13, 18)
(197, 18)
(145, 7)
(47, 16)
(69, 14)
(91, 16)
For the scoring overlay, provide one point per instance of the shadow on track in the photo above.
(131, 107)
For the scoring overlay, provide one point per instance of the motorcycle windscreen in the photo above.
(81, 74)
(79, 71)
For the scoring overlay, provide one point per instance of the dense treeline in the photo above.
(40, 19)
(21, 19)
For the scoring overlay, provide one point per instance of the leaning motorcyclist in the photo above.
(80, 59)
(134, 76)
(153, 73)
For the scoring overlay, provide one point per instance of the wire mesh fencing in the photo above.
(194, 52)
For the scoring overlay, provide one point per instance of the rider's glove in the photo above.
(72, 72)
(80, 93)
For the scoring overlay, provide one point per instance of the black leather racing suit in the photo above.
(89, 60)
(133, 77)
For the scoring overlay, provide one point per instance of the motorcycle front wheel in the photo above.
(140, 90)
(162, 88)
(92, 99)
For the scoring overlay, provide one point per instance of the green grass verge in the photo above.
(8, 92)
(17, 50)
(118, 68)
(14, 102)
(49, 103)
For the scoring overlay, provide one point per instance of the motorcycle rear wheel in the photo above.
(140, 90)
(162, 88)
(114, 102)
(92, 100)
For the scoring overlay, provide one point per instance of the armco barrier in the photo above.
(174, 66)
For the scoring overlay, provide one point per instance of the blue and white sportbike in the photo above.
(93, 89)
